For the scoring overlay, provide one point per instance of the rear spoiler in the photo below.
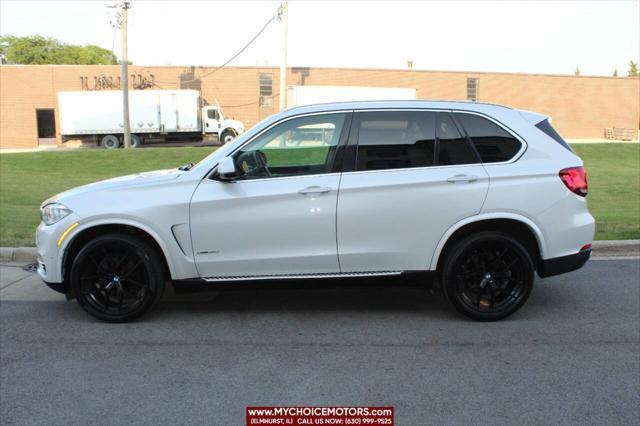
(533, 117)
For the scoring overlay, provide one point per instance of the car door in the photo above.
(278, 216)
(211, 120)
(414, 175)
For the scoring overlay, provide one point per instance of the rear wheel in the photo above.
(136, 141)
(488, 276)
(110, 142)
(117, 278)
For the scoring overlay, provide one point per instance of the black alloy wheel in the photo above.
(117, 277)
(488, 276)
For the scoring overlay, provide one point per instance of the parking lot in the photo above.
(571, 355)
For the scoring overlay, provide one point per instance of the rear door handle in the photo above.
(462, 178)
(314, 190)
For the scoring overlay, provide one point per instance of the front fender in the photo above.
(176, 271)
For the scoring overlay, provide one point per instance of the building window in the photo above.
(266, 90)
(472, 89)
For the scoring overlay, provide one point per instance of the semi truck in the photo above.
(155, 115)
(306, 95)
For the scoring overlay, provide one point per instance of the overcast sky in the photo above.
(509, 36)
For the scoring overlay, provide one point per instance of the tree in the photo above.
(577, 71)
(35, 50)
(615, 72)
(633, 69)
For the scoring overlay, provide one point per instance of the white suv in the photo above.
(481, 196)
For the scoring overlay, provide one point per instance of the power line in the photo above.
(273, 18)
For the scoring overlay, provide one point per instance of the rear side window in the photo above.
(493, 143)
(395, 140)
(453, 146)
(548, 130)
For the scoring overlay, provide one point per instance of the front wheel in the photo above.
(227, 136)
(487, 276)
(117, 277)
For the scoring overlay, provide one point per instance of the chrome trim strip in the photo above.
(303, 276)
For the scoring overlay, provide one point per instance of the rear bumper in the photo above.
(561, 265)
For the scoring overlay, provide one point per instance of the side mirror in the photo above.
(227, 169)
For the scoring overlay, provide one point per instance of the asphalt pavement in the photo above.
(571, 355)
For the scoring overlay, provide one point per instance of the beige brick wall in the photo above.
(581, 106)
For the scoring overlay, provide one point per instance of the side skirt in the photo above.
(306, 281)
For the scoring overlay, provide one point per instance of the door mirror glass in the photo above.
(227, 169)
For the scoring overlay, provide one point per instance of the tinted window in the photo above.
(300, 146)
(546, 127)
(395, 140)
(453, 147)
(492, 142)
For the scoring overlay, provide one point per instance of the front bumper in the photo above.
(50, 255)
(561, 265)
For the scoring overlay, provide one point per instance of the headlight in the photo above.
(52, 213)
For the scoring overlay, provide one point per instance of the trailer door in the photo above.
(168, 113)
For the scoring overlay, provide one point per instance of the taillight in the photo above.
(575, 178)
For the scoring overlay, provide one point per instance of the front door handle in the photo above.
(314, 190)
(462, 178)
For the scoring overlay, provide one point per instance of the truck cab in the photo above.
(214, 122)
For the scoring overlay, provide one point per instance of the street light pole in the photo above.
(283, 64)
(125, 5)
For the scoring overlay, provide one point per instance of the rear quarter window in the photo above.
(493, 143)
(548, 130)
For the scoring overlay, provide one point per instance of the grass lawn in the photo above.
(27, 179)
(613, 174)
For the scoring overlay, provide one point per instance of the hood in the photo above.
(236, 124)
(146, 178)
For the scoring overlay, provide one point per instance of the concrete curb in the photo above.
(601, 248)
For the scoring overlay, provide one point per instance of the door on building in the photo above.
(46, 120)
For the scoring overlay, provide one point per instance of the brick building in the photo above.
(581, 106)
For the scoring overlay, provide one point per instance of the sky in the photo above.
(552, 37)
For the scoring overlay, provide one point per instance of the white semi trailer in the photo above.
(306, 95)
(155, 115)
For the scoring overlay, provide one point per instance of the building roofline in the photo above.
(293, 68)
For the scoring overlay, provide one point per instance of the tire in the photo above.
(117, 277)
(487, 276)
(110, 142)
(136, 141)
(227, 136)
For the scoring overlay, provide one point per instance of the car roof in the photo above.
(397, 104)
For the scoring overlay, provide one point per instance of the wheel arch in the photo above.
(83, 234)
(522, 228)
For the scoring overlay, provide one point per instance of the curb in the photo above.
(601, 248)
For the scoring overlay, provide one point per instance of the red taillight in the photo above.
(575, 178)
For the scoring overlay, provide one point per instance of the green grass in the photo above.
(27, 179)
(613, 173)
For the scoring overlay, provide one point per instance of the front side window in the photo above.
(213, 114)
(300, 146)
(395, 140)
(493, 143)
(453, 146)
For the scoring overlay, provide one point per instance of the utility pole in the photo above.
(124, 8)
(284, 8)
